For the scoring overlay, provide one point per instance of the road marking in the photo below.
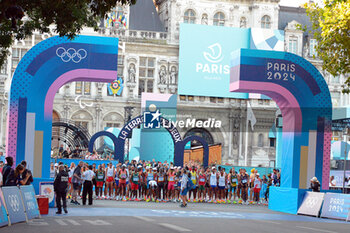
(62, 222)
(37, 222)
(316, 229)
(266, 221)
(144, 219)
(98, 222)
(174, 227)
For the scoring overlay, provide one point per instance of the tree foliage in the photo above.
(20, 18)
(331, 28)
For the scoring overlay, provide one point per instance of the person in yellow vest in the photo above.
(194, 178)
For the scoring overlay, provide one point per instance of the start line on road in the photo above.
(70, 222)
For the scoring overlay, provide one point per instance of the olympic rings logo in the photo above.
(14, 202)
(71, 54)
(311, 202)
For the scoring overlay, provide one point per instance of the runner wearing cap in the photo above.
(171, 184)
(257, 188)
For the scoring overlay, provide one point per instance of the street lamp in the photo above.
(128, 110)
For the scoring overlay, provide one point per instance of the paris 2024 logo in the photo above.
(213, 64)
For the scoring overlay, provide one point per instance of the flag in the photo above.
(250, 115)
(116, 87)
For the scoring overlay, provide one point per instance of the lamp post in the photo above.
(345, 135)
(128, 110)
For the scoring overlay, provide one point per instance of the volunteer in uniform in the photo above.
(87, 188)
(60, 188)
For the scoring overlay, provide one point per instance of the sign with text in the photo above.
(29, 200)
(311, 204)
(14, 204)
(336, 206)
(46, 188)
(204, 60)
(3, 212)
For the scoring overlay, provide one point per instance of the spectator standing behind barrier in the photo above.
(27, 171)
(60, 186)
(87, 189)
(77, 181)
(16, 177)
(315, 185)
(7, 169)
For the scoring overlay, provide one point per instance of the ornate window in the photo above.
(266, 22)
(190, 16)
(203, 133)
(313, 44)
(146, 74)
(243, 22)
(293, 45)
(219, 19)
(261, 140)
(82, 88)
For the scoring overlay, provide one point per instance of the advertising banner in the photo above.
(204, 60)
(14, 204)
(336, 206)
(311, 204)
(46, 188)
(29, 200)
(3, 212)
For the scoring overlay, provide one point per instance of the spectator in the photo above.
(332, 182)
(1, 166)
(66, 154)
(27, 171)
(315, 185)
(76, 153)
(1, 179)
(16, 177)
(7, 169)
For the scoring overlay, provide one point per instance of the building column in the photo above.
(97, 127)
(1, 123)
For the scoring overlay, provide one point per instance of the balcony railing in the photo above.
(128, 35)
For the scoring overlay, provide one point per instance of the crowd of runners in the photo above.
(161, 182)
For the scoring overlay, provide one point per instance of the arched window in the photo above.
(266, 21)
(243, 22)
(206, 135)
(219, 19)
(261, 140)
(190, 16)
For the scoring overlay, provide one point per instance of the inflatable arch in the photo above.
(302, 94)
(41, 72)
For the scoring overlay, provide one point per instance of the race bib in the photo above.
(171, 179)
(136, 179)
(202, 180)
(100, 177)
(193, 178)
(161, 178)
(234, 181)
(244, 181)
(123, 176)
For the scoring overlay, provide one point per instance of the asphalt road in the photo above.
(129, 217)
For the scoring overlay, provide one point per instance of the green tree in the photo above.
(20, 18)
(331, 28)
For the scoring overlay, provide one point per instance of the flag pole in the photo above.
(246, 137)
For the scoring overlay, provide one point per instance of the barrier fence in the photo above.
(326, 205)
(17, 204)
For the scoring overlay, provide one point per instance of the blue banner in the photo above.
(14, 204)
(3, 212)
(30, 203)
(336, 206)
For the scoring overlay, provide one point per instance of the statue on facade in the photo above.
(173, 74)
(204, 19)
(132, 73)
(162, 75)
